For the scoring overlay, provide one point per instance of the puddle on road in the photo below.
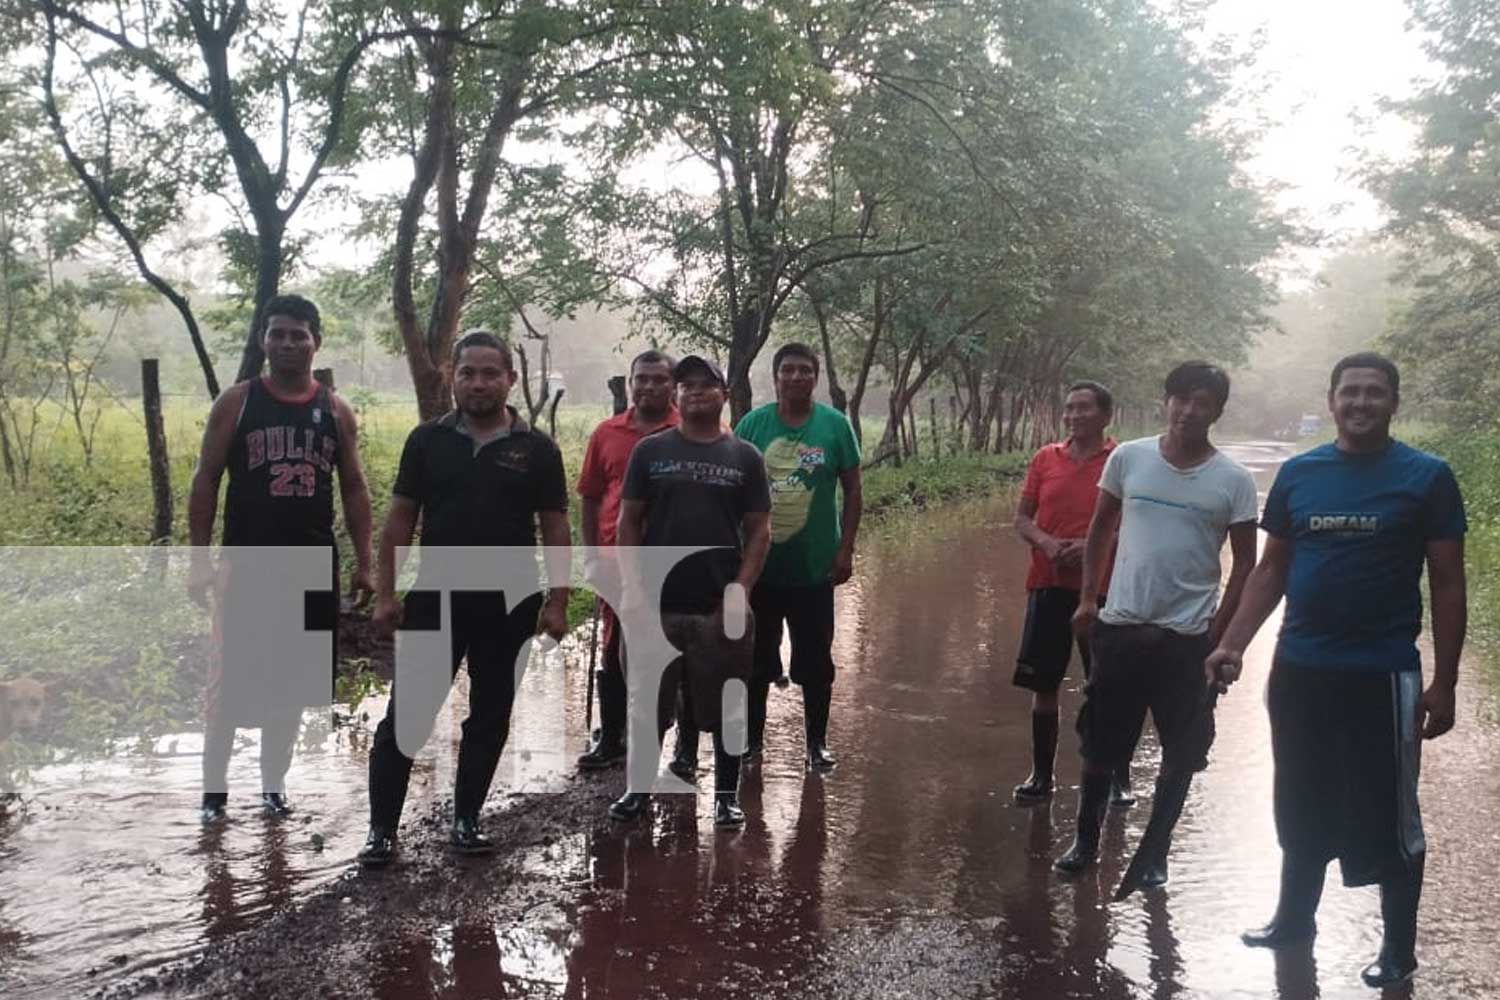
(909, 866)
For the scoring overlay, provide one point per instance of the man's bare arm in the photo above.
(849, 518)
(1102, 527)
(757, 529)
(1242, 562)
(354, 492)
(559, 556)
(1450, 618)
(1028, 529)
(588, 520)
(203, 495)
(400, 528)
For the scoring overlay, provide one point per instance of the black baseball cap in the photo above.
(699, 364)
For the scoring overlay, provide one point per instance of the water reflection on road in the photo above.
(908, 871)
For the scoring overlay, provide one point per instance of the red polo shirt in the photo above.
(1064, 491)
(604, 462)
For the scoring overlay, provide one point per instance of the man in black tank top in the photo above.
(281, 437)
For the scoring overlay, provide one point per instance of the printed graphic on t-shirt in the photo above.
(1344, 524)
(792, 467)
(294, 460)
(711, 473)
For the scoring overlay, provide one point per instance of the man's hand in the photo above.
(1435, 711)
(1084, 617)
(843, 566)
(553, 621)
(1222, 668)
(1069, 554)
(361, 587)
(388, 614)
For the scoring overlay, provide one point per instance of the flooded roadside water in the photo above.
(908, 871)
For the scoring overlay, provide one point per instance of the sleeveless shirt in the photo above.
(281, 465)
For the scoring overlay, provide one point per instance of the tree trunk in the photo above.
(156, 450)
(836, 392)
(10, 460)
(867, 362)
(744, 345)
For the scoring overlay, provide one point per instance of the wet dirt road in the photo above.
(907, 872)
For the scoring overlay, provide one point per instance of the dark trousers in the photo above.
(611, 676)
(488, 636)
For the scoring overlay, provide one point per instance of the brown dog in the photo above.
(21, 704)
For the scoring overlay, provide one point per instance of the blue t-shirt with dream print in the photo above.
(1359, 527)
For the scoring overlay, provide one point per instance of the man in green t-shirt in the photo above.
(810, 451)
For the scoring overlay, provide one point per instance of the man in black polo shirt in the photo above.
(477, 476)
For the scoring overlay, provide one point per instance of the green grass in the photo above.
(1475, 459)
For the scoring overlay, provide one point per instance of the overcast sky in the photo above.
(1327, 59)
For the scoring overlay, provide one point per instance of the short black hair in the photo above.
(652, 356)
(1190, 376)
(484, 338)
(794, 349)
(296, 307)
(1102, 396)
(1368, 359)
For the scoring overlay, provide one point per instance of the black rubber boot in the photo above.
(1397, 961)
(466, 838)
(1296, 907)
(755, 740)
(727, 811)
(1038, 787)
(1093, 799)
(817, 700)
(684, 761)
(629, 806)
(609, 749)
(211, 810)
(1166, 809)
(275, 805)
(379, 849)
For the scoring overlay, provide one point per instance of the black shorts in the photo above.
(1140, 667)
(808, 614)
(1047, 640)
(1347, 757)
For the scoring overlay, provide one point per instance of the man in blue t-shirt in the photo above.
(1349, 527)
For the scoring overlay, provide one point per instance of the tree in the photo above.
(161, 103)
(747, 93)
(1444, 212)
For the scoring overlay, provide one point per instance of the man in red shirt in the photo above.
(599, 483)
(1057, 502)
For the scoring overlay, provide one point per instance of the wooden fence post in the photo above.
(617, 392)
(156, 449)
(937, 451)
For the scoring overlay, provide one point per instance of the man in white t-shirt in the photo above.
(1174, 498)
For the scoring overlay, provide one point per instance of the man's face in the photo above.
(700, 395)
(482, 381)
(796, 377)
(288, 343)
(1192, 415)
(651, 386)
(1082, 416)
(1362, 403)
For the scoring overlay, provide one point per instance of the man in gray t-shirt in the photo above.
(697, 485)
(1174, 498)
